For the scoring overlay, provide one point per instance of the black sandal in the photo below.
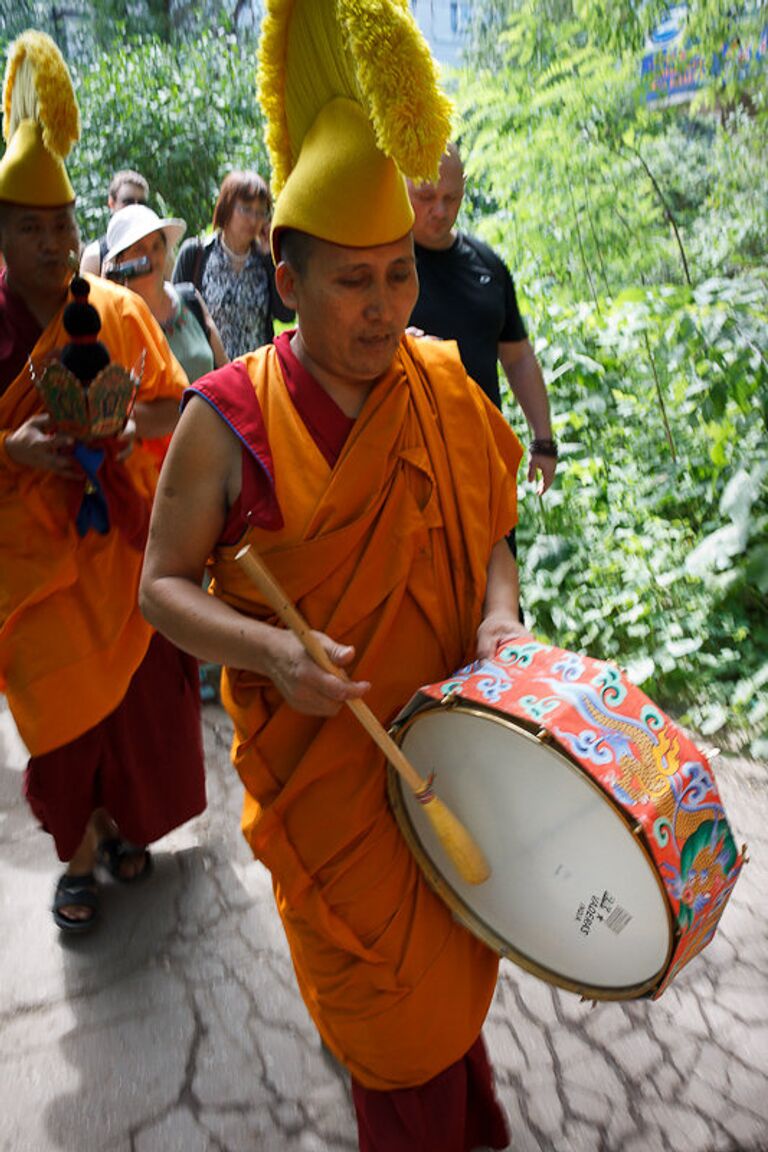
(113, 852)
(75, 891)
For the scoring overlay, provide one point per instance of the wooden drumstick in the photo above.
(459, 846)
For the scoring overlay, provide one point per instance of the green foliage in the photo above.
(183, 115)
(82, 29)
(715, 29)
(660, 561)
(171, 21)
(639, 240)
(18, 15)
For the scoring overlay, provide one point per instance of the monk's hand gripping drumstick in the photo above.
(459, 846)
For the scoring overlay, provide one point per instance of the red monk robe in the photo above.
(71, 634)
(387, 549)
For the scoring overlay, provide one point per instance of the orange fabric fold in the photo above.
(387, 551)
(71, 634)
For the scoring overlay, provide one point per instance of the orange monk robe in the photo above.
(71, 634)
(387, 551)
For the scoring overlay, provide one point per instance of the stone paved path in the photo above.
(176, 1026)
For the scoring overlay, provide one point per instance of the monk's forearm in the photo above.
(7, 455)
(502, 593)
(206, 626)
(156, 418)
(501, 608)
(212, 631)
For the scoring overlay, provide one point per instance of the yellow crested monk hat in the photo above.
(41, 122)
(352, 102)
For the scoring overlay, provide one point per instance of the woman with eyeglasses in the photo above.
(233, 270)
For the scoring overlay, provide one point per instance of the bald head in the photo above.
(436, 206)
(452, 157)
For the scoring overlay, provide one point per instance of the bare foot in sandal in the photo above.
(75, 902)
(124, 861)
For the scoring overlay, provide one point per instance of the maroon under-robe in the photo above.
(143, 763)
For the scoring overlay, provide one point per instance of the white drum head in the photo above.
(573, 894)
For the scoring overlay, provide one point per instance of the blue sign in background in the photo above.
(673, 70)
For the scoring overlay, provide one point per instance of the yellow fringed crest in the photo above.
(397, 75)
(369, 51)
(38, 87)
(273, 49)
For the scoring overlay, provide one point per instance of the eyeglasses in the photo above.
(251, 212)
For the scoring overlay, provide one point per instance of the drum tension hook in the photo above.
(450, 697)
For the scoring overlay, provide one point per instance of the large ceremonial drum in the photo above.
(611, 857)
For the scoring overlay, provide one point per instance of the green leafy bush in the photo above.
(182, 114)
(654, 552)
(639, 242)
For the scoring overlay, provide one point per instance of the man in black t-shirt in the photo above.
(466, 294)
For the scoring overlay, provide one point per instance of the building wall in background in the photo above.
(445, 24)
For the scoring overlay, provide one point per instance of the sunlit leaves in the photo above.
(661, 566)
(183, 114)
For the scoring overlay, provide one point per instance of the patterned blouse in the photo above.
(239, 301)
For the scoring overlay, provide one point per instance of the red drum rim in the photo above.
(467, 916)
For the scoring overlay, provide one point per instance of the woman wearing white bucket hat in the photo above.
(138, 234)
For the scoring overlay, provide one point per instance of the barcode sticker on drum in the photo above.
(618, 919)
(602, 910)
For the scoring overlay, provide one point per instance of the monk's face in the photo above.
(36, 244)
(353, 305)
(436, 206)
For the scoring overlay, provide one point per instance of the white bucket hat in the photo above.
(134, 223)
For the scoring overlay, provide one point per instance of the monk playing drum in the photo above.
(379, 485)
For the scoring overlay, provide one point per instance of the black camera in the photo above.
(122, 273)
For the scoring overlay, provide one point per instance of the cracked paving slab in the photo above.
(177, 1025)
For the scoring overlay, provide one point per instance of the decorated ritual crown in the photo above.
(85, 395)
